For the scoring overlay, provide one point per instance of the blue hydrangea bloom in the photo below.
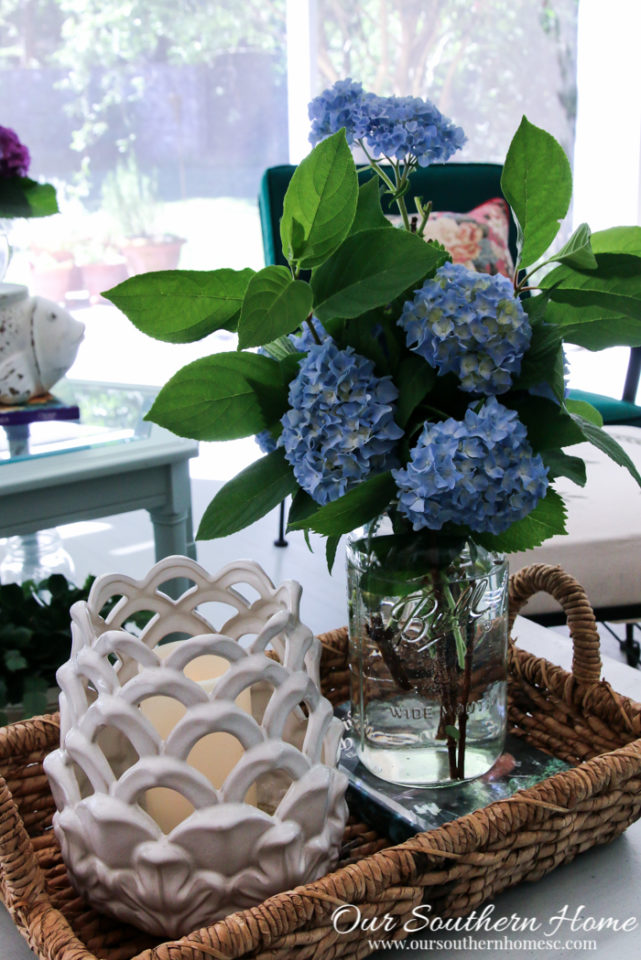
(340, 428)
(395, 127)
(469, 324)
(342, 105)
(265, 441)
(478, 472)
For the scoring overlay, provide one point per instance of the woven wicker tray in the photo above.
(454, 868)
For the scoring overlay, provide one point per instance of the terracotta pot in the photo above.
(144, 254)
(53, 282)
(97, 277)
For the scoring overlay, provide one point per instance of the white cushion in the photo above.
(603, 547)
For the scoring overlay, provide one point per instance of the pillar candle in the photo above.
(215, 755)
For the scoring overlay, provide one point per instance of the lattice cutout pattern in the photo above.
(262, 812)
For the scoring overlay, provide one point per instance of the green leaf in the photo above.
(585, 410)
(543, 362)
(618, 240)
(369, 213)
(561, 465)
(548, 425)
(248, 496)
(537, 183)
(302, 506)
(353, 509)
(615, 285)
(452, 732)
(607, 444)
(14, 661)
(331, 546)
(415, 380)
(578, 250)
(594, 327)
(320, 203)
(275, 304)
(369, 270)
(223, 397)
(24, 197)
(179, 306)
(546, 520)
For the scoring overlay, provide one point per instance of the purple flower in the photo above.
(14, 156)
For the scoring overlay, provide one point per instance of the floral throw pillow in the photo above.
(477, 239)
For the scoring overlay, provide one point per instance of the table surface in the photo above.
(602, 883)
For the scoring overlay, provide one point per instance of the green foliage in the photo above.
(179, 306)
(577, 252)
(223, 397)
(360, 505)
(370, 269)
(248, 496)
(274, 305)
(545, 521)
(369, 213)
(537, 183)
(320, 203)
(603, 441)
(35, 638)
(23, 197)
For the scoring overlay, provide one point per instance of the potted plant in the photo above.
(131, 198)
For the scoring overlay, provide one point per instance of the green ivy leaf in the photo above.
(369, 270)
(607, 444)
(275, 304)
(180, 306)
(223, 397)
(320, 203)
(537, 183)
(358, 506)
(560, 464)
(415, 380)
(248, 496)
(546, 520)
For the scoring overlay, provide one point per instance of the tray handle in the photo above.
(586, 660)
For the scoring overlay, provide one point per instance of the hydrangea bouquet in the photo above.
(384, 380)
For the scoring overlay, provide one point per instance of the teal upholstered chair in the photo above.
(450, 186)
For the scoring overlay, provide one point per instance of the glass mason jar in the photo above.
(428, 656)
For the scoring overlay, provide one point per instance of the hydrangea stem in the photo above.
(310, 323)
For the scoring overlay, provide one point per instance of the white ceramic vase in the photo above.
(275, 818)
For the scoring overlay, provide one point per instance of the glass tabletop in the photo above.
(109, 413)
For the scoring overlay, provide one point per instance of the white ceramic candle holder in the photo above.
(142, 854)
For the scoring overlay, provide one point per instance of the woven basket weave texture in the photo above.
(454, 868)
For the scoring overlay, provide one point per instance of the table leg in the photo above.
(173, 526)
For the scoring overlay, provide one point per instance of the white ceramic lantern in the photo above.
(196, 777)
